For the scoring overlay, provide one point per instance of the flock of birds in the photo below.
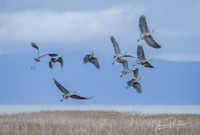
(145, 35)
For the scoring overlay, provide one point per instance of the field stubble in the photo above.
(98, 123)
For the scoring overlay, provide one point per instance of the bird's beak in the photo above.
(154, 58)
(154, 30)
(93, 52)
(134, 65)
(78, 91)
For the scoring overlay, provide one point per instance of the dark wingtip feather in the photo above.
(142, 16)
(34, 45)
(112, 39)
(50, 64)
(54, 80)
(60, 60)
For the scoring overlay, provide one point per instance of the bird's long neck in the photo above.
(140, 78)
(78, 91)
(92, 54)
(152, 58)
(153, 31)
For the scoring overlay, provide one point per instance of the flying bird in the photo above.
(146, 35)
(54, 60)
(67, 93)
(141, 58)
(126, 68)
(90, 58)
(135, 84)
(117, 50)
(39, 56)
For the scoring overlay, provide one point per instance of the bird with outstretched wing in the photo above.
(141, 56)
(146, 34)
(90, 58)
(67, 93)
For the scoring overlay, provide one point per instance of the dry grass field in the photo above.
(98, 123)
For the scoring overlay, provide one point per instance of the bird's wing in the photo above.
(115, 45)
(60, 60)
(62, 89)
(147, 64)
(35, 46)
(125, 64)
(151, 42)
(130, 82)
(85, 59)
(52, 54)
(136, 72)
(143, 25)
(137, 86)
(79, 97)
(140, 53)
(50, 64)
(128, 55)
(95, 62)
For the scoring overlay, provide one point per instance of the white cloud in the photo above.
(61, 26)
(18, 28)
(180, 57)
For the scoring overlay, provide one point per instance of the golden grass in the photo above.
(98, 123)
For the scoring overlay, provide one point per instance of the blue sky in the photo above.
(74, 28)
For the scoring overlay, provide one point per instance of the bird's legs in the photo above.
(142, 36)
(61, 100)
(113, 62)
(34, 65)
(115, 59)
(127, 72)
(138, 62)
(122, 75)
(118, 57)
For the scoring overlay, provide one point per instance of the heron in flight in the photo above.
(141, 58)
(135, 84)
(90, 58)
(126, 68)
(146, 35)
(54, 60)
(39, 56)
(67, 93)
(117, 50)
